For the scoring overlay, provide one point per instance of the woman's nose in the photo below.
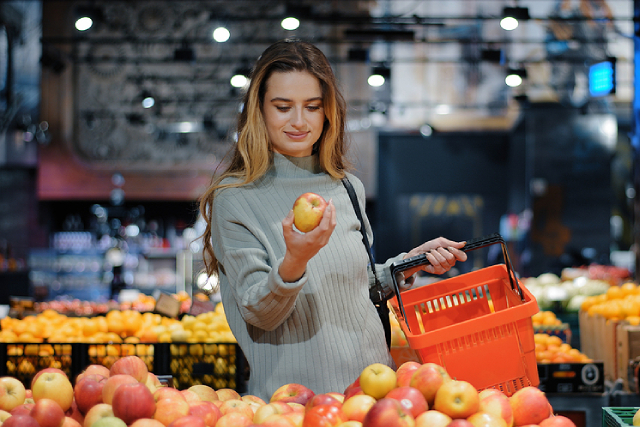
(296, 117)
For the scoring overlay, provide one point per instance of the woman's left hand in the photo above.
(442, 254)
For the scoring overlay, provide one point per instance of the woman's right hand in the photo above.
(301, 247)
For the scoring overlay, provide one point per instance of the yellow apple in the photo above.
(377, 380)
(307, 211)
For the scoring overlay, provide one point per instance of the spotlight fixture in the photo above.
(240, 77)
(221, 34)
(515, 76)
(358, 55)
(511, 17)
(379, 74)
(290, 23)
(85, 17)
(148, 100)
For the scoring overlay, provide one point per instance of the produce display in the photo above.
(616, 303)
(128, 394)
(117, 326)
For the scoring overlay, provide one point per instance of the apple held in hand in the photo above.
(377, 380)
(307, 211)
(12, 393)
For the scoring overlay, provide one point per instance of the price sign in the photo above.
(167, 305)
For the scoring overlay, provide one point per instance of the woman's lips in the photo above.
(296, 135)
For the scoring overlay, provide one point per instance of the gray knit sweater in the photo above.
(320, 331)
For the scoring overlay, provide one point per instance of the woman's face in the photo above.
(293, 112)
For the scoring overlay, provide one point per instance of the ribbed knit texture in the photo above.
(320, 331)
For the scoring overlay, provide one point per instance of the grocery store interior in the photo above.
(459, 125)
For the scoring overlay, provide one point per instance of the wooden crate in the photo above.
(628, 354)
(599, 341)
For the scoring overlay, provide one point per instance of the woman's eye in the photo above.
(313, 107)
(283, 108)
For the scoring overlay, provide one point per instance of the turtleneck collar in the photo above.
(295, 167)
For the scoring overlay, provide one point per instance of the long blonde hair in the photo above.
(252, 154)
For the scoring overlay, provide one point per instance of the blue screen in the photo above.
(601, 79)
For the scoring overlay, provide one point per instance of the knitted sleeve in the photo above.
(248, 260)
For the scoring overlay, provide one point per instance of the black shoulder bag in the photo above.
(375, 293)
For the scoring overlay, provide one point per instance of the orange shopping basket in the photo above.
(476, 325)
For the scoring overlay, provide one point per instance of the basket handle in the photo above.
(411, 265)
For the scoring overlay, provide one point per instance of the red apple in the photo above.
(54, 386)
(70, 422)
(377, 380)
(132, 402)
(488, 392)
(496, 404)
(297, 418)
(354, 384)
(308, 210)
(12, 393)
(557, 421)
(292, 392)
(388, 412)
(322, 399)
(356, 407)
(254, 401)
(458, 399)
(234, 419)
(88, 391)
(227, 394)
(130, 365)
(24, 409)
(169, 410)
(112, 383)
(263, 412)
(530, 406)
(351, 423)
(94, 370)
(167, 393)
(428, 378)
(460, 422)
(433, 418)
(20, 421)
(44, 371)
(324, 415)
(297, 407)
(277, 420)
(208, 394)
(47, 413)
(405, 372)
(236, 405)
(190, 396)
(353, 391)
(101, 410)
(147, 422)
(209, 412)
(410, 398)
(188, 421)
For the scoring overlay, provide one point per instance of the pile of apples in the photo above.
(127, 394)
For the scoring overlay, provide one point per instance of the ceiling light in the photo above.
(515, 77)
(290, 23)
(511, 17)
(379, 75)
(221, 34)
(85, 17)
(240, 77)
(84, 23)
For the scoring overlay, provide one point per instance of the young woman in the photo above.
(297, 303)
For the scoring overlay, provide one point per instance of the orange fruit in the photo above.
(614, 292)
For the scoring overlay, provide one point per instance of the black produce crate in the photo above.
(24, 360)
(618, 417)
(218, 365)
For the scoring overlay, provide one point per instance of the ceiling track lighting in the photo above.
(86, 17)
(515, 76)
(511, 17)
(379, 74)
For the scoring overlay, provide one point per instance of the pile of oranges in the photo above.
(551, 349)
(618, 303)
(117, 326)
(545, 318)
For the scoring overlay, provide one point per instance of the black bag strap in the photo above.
(375, 292)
